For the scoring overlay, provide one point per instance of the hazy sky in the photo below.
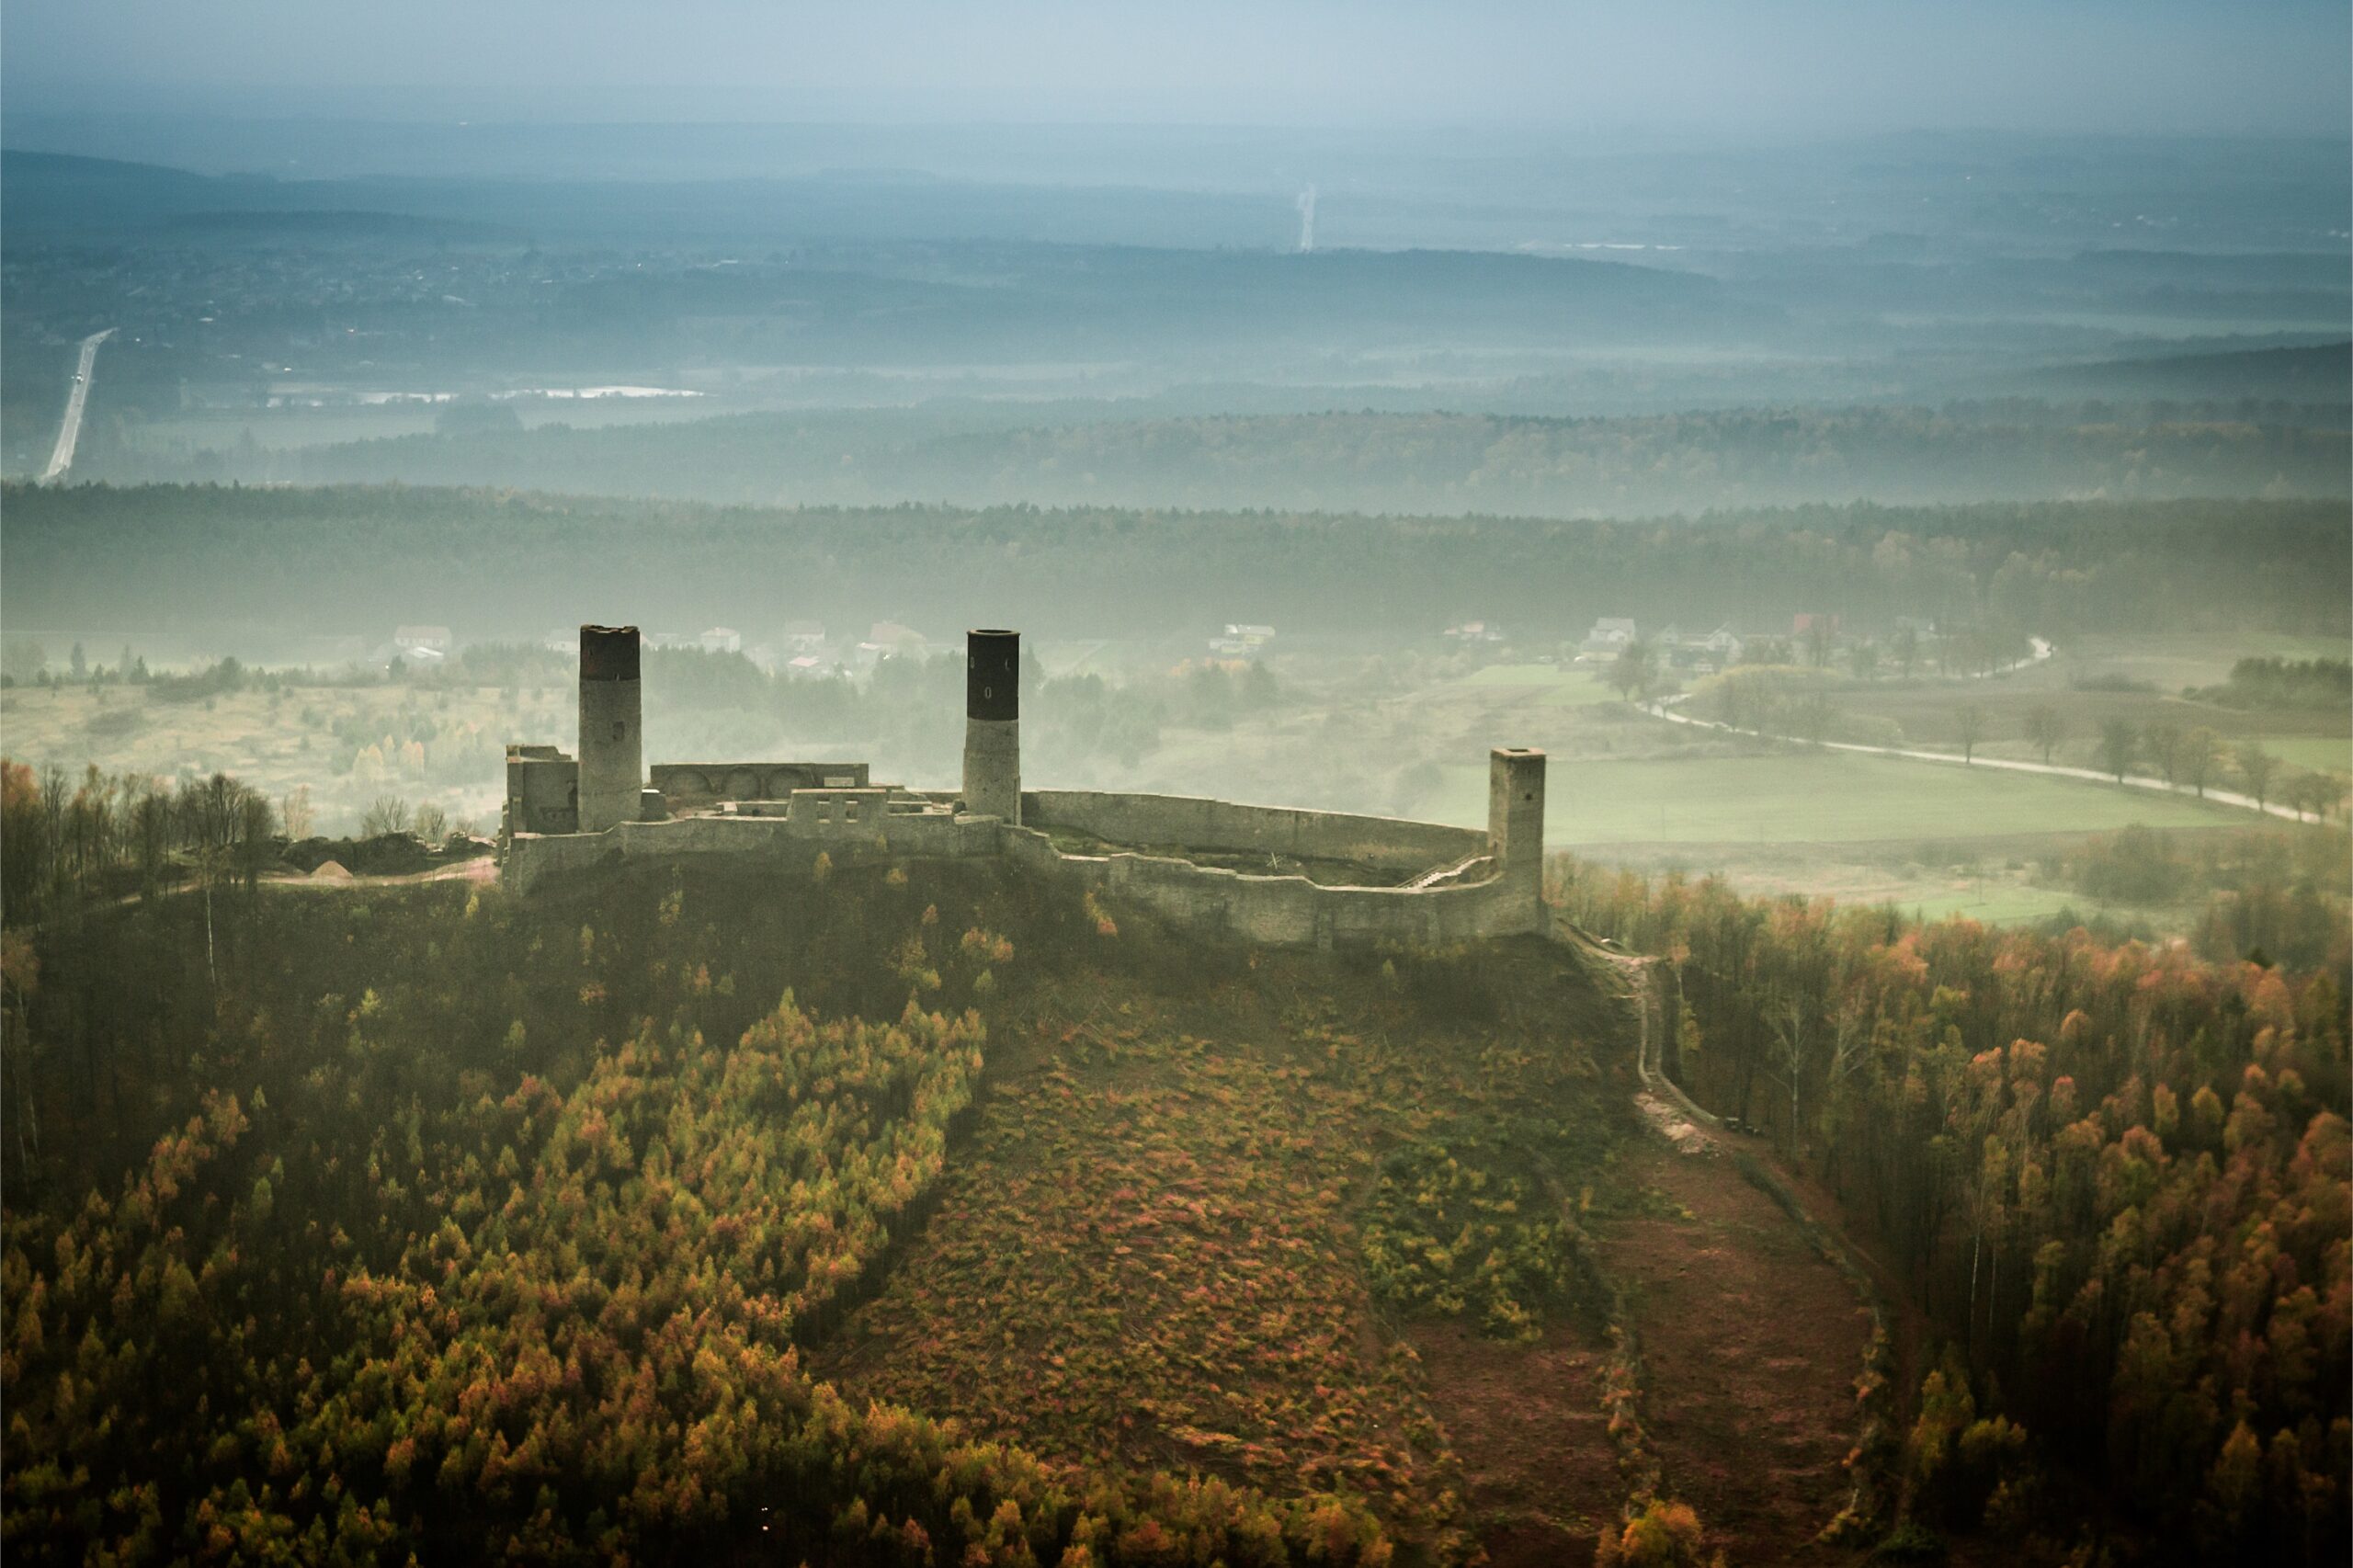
(1762, 66)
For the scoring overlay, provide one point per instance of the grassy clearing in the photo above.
(1999, 902)
(1152, 1249)
(1929, 716)
(1825, 797)
(2173, 661)
(1552, 685)
(1995, 880)
(2319, 752)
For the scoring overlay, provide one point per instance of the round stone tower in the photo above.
(993, 724)
(612, 728)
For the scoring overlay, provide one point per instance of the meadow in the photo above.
(1549, 686)
(1801, 797)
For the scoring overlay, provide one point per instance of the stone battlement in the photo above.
(1426, 884)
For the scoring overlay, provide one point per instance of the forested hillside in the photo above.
(495, 562)
(2116, 1179)
(345, 1222)
(1437, 462)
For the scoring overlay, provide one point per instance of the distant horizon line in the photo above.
(1682, 133)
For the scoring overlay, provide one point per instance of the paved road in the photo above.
(69, 434)
(1665, 709)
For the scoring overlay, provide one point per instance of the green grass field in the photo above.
(1998, 903)
(1831, 798)
(1552, 685)
(2320, 752)
(2173, 661)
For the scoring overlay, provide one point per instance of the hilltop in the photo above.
(1313, 1247)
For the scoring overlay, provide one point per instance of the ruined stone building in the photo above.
(1268, 874)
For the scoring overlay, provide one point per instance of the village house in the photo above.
(1609, 635)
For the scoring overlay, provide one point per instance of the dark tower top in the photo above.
(992, 675)
(608, 652)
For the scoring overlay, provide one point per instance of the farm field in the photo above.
(2172, 661)
(1830, 796)
(1926, 838)
(2332, 754)
(1995, 879)
(2137, 682)
(1929, 716)
(1997, 901)
(1551, 686)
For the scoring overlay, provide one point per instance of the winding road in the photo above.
(69, 434)
(1664, 709)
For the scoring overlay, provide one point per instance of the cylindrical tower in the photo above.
(1516, 821)
(993, 724)
(612, 729)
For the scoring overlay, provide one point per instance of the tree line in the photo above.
(324, 561)
(1441, 462)
(2286, 683)
(65, 840)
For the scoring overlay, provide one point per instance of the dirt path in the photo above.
(1538, 1467)
(1751, 1339)
(1751, 1343)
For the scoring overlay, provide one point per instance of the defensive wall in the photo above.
(1388, 844)
(1436, 885)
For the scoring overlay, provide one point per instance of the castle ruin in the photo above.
(1195, 862)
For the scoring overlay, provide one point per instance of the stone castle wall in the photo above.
(1288, 910)
(842, 829)
(1451, 885)
(1273, 911)
(1391, 844)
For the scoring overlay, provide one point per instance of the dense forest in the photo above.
(2116, 1179)
(1436, 462)
(324, 561)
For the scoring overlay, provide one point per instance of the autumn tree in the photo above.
(2045, 727)
(2258, 768)
(2200, 754)
(294, 810)
(2117, 742)
(1811, 715)
(1968, 726)
(1634, 669)
(1905, 647)
(2317, 792)
(388, 814)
